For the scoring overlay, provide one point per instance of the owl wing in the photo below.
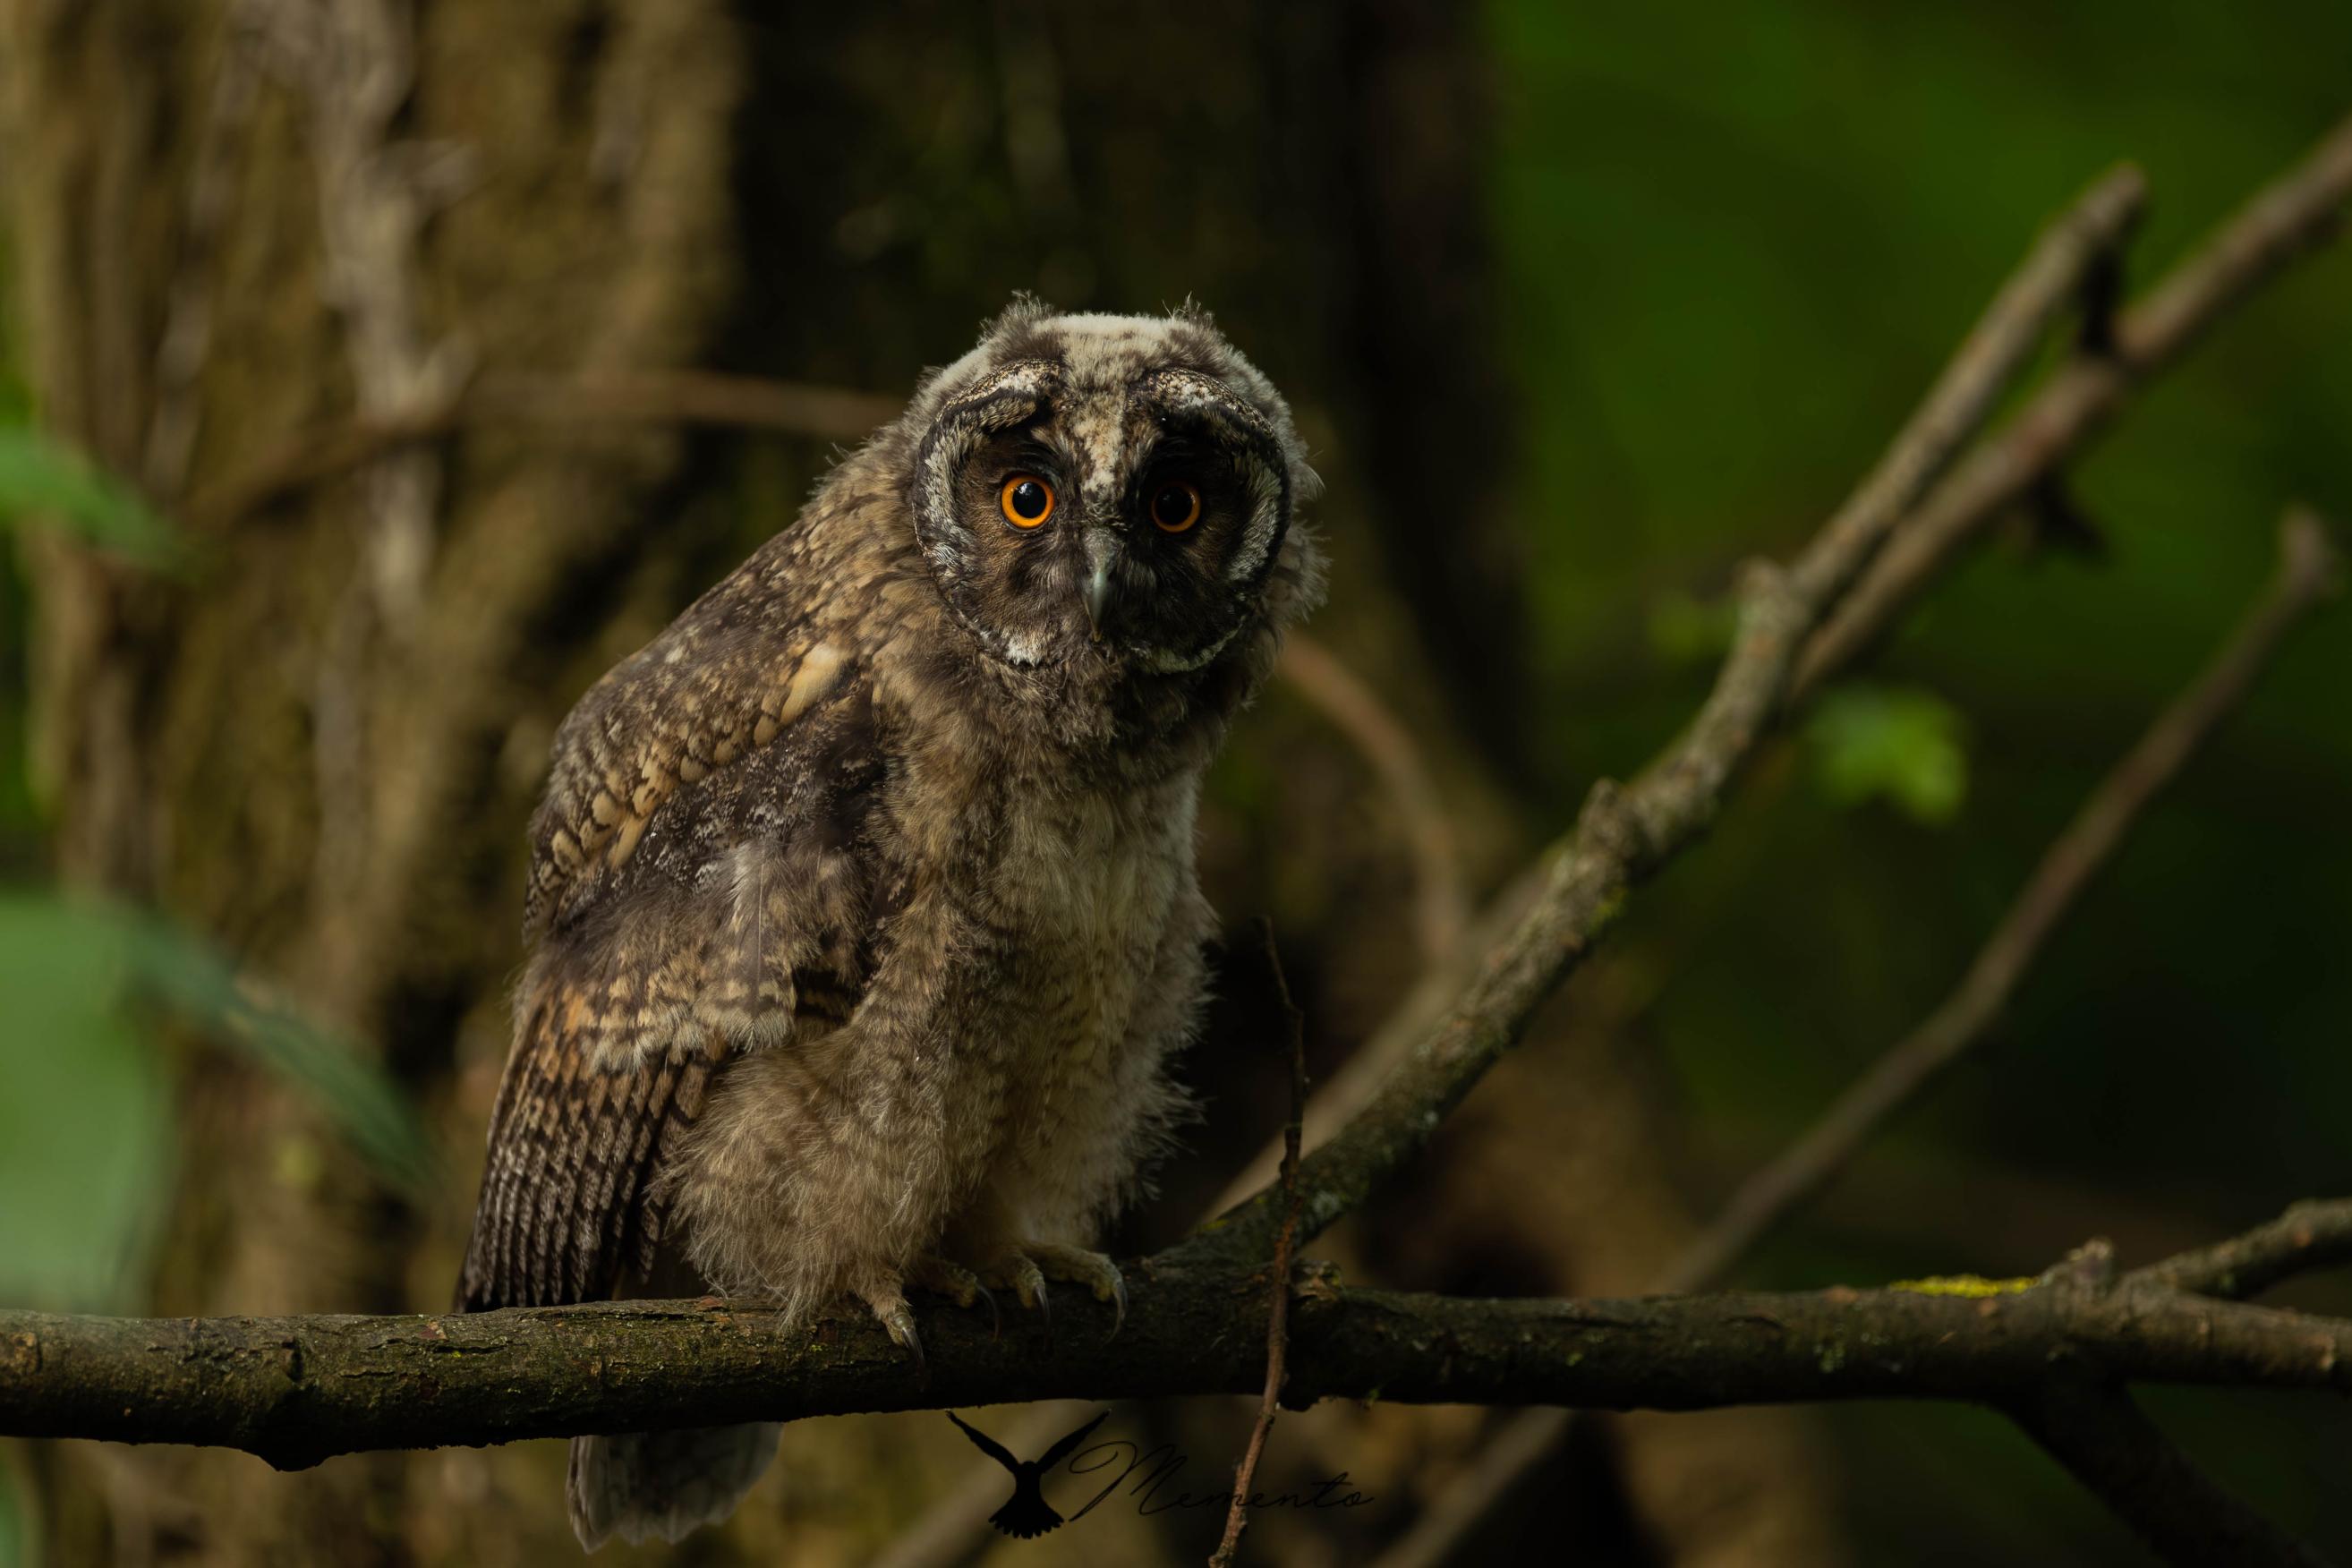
(572, 1150)
(697, 885)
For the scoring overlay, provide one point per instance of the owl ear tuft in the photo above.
(1025, 310)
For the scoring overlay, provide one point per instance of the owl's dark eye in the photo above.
(1175, 507)
(1028, 500)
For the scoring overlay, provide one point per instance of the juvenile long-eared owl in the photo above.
(862, 901)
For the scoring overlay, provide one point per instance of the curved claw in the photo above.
(1092, 1269)
(995, 1313)
(897, 1320)
(1029, 1283)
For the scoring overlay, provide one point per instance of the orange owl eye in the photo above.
(1175, 507)
(1028, 500)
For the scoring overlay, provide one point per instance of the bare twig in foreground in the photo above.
(1277, 1331)
(2307, 571)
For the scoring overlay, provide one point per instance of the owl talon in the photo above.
(1098, 1274)
(1014, 1269)
(1029, 1284)
(897, 1320)
(953, 1280)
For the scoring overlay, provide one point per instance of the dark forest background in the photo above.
(1579, 305)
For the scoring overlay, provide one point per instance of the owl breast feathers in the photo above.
(863, 905)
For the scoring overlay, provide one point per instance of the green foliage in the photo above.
(1736, 242)
(45, 480)
(1904, 745)
(86, 1130)
(194, 984)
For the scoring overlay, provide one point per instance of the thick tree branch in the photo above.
(297, 1390)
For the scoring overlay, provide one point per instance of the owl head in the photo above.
(1110, 498)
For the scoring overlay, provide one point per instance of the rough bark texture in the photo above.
(232, 222)
(297, 1390)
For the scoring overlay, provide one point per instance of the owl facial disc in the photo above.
(1106, 495)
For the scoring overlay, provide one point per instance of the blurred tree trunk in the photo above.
(236, 221)
(233, 221)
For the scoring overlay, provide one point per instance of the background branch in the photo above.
(2294, 214)
(2307, 571)
(1441, 903)
(1624, 835)
(2109, 1445)
(553, 402)
(2307, 1237)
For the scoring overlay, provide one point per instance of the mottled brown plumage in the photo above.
(863, 903)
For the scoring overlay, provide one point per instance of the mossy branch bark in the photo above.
(298, 1390)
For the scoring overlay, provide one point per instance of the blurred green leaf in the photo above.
(43, 479)
(1904, 745)
(85, 1133)
(200, 987)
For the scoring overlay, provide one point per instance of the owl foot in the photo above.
(889, 1308)
(958, 1284)
(1028, 1265)
(1014, 1268)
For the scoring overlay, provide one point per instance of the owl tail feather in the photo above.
(642, 1484)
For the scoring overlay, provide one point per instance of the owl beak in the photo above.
(1102, 561)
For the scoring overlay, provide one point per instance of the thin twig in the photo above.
(2109, 1445)
(1441, 903)
(2078, 245)
(2293, 215)
(2307, 572)
(1277, 1327)
(558, 403)
(2307, 1237)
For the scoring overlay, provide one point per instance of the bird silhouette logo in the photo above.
(1025, 1514)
